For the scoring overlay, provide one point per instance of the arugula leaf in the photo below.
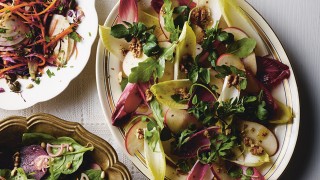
(145, 69)
(157, 112)
(183, 137)
(242, 48)
(169, 21)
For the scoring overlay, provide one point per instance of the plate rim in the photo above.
(293, 90)
(63, 86)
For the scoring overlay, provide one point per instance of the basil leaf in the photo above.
(119, 31)
(36, 138)
(242, 48)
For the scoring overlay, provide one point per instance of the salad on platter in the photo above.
(35, 35)
(42, 156)
(197, 80)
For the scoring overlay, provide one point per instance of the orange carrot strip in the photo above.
(12, 8)
(43, 59)
(61, 35)
(47, 9)
(23, 17)
(10, 68)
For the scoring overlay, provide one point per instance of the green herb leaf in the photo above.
(157, 112)
(205, 75)
(151, 48)
(119, 31)
(242, 48)
(2, 30)
(145, 69)
(75, 36)
(262, 112)
(235, 172)
(249, 171)
(94, 174)
(37, 81)
(49, 73)
(169, 21)
(123, 83)
(47, 38)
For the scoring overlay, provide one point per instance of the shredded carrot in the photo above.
(43, 59)
(61, 35)
(47, 9)
(10, 68)
(12, 8)
(23, 17)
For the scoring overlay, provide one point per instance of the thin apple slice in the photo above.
(237, 33)
(250, 63)
(260, 135)
(230, 60)
(236, 17)
(248, 159)
(130, 62)
(227, 92)
(132, 141)
(165, 90)
(179, 119)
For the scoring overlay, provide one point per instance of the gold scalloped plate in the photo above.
(12, 128)
(108, 67)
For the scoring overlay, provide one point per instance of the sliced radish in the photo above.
(230, 60)
(130, 62)
(132, 141)
(177, 120)
(260, 135)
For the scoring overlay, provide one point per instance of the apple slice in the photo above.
(250, 63)
(237, 33)
(227, 92)
(130, 62)
(236, 17)
(132, 142)
(177, 120)
(260, 135)
(230, 60)
(246, 158)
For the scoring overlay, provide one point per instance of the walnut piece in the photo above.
(136, 47)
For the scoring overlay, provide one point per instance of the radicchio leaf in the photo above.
(271, 72)
(198, 171)
(128, 11)
(196, 141)
(131, 98)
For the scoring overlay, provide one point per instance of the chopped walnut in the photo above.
(140, 134)
(247, 141)
(136, 47)
(233, 80)
(201, 17)
(149, 95)
(183, 92)
(257, 150)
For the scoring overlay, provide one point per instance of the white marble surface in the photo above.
(297, 24)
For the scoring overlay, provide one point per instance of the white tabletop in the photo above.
(297, 24)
